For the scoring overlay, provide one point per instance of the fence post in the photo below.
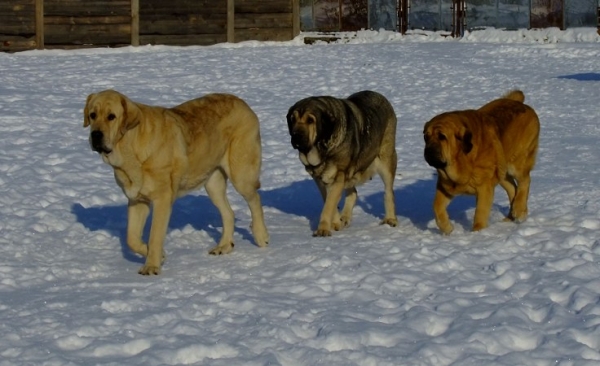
(403, 16)
(135, 23)
(295, 18)
(230, 21)
(458, 18)
(39, 24)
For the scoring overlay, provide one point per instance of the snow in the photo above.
(526, 294)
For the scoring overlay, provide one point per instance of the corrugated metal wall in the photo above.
(338, 15)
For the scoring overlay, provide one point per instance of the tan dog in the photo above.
(474, 150)
(342, 143)
(159, 154)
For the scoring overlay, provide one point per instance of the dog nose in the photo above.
(433, 158)
(96, 137)
(296, 140)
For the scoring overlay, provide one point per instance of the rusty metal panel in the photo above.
(382, 14)
(307, 22)
(547, 13)
(425, 14)
(581, 13)
(502, 14)
(334, 15)
(446, 15)
(482, 13)
(326, 14)
(355, 15)
(434, 15)
(513, 14)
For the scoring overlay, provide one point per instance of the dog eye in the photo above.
(441, 137)
(92, 115)
(111, 117)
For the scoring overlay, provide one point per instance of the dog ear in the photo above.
(86, 111)
(131, 115)
(326, 124)
(291, 117)
(467, 144)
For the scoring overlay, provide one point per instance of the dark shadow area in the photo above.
(301, 198)
(415, 202)
(197, 211)
(586, 76)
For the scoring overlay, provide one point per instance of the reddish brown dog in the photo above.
(474, 150)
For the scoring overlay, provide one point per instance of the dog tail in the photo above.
(515, 95)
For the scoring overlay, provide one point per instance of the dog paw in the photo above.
(322, 232)
(148, 270)
(478, 226)
(518, 216)
(337, 226)
(392, 221)
(222, 249)
(345, 221)
(261, 240)
(446, 229)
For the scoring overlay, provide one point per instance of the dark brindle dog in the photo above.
(342, 143)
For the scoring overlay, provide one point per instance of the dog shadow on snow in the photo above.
(197, 211)
(301, 198)
(413, 202)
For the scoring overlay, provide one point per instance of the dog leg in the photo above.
(510, 186)
(160, 221)
(336, 222)
(387, 172)
(440, 204)
(349, 202)
(333, 196)
(483, 206)
(216, 187)
(249, 191)
(519, 210)
(137, 213)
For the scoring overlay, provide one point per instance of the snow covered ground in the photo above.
(525, 294)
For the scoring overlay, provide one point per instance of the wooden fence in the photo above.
(31, 24)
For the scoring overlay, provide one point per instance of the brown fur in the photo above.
(342, 143)
(474, 150)
(159, 154)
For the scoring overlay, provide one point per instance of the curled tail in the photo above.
(515, 95)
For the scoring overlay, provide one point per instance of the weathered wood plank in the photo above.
(87, 7)
(263, 34)
(295, 17)
(196, 26)
(135, 22)
(231, 21)
(17, 29)
(184, 39)
(16, 44)
(88, 34)
(268, 20)
(17, 7)
(263, 6)
(157, 7)
(184, 17)
(39, 24)
(58, 20)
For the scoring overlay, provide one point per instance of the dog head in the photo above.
(309, 123)
(109, 115)
(446, 137)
